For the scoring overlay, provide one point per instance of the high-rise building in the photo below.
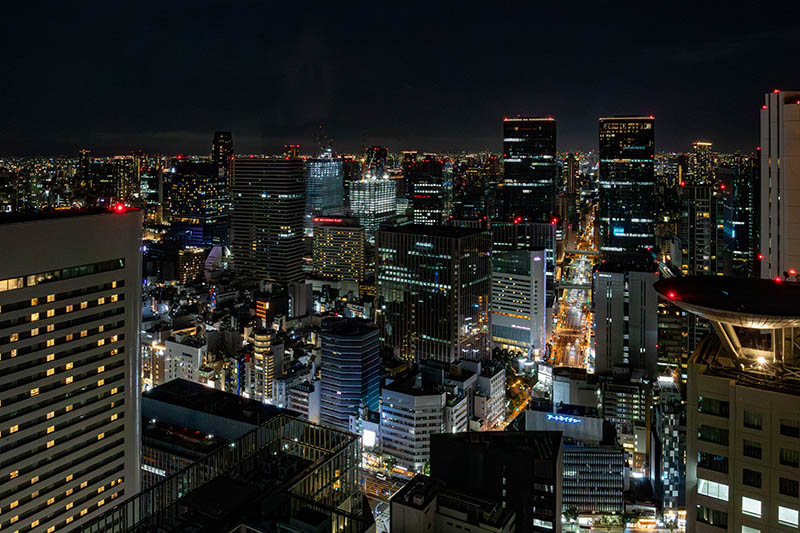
(529, 159)
(351, 364)
(702, 163)
(518, 301)
(626, 209)
(222, 153)
(191, 263)
(70, 302)
(198, 202)
(626, 314)
(375, 160)
(324, 188)
(704, 246)
(433, 291)
(745, 220)
(780, 183)
(743, 404)
(338, 249)
(263, 366)
(267, 218)
(373, 201)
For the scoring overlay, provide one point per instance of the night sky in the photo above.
(115, 76)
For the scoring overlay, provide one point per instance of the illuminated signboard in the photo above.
(328, 220)
(563, 418)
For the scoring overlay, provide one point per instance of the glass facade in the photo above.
(531, 168)
(433, 290)
(324, 188)
(373, 201)
(627, 184)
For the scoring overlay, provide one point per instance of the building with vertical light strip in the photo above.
(70, 291)
(780, 183)
(267, 217)
(627, 207)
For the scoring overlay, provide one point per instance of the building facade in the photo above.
(530, 168)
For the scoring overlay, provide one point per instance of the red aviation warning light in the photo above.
(671, 295)
(792, 272)
(760, 257)
(778, 279)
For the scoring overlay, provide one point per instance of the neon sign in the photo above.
(563, 418)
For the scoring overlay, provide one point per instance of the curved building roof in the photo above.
(744, 302)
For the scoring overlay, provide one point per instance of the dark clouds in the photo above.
(163, 76)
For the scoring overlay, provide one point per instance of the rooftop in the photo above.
(11, 218)
(745, 302)
(619, 263)
(543, 445)
(195, 396)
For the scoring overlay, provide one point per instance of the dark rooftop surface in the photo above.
(451, 232)
(347, 327)
(543, 445)
(184, 440)
(746, 302)
(618, 263)
(11, 218)
(419, 492)
(198, 397)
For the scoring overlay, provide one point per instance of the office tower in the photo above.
(702, 230)
(433, 291)
(594, 478)
(668, 453)
(183, 357)
(375, 160)
(198, 203)
(780, 183)
(518, 235)
(571, 171)
(425, 504)
(351, 364)
(518, 301)
(338, 249)
(743, 401)
(673, 342)
(702, 163)
(521, 469)
(324, 188)
(626, 314)
(267, 218)
(83, 174)
(352, 170)
(373, 201)
(222, 153)
(70, 301)
(745, 183)
(429, 191)
(626, 208)
(529, 159)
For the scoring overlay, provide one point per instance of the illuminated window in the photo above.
(84, 484)
(114, 338)
(69, 519)
(51, 443)
(114, 297)
(101, 301)
(34, 301)
(68, 366)
(100, 489)
(84, 333)
(14, 519)
(34, 317)
(84, 511)
(51, 529)
(50, 357)
(101, 382)
(13, 352)
(13, 474)
(69, 491)
(68, 380)
(14, 337)
(114, 390)
(69, 478)
(69, 505)
(14, 504)
(788, 517)
(712, 489)
(51, 414)
(34, 332)
(51, 429)
(51, 297)
(101, 342)
(100, 328)
(13, 429)
(113, 284)
(68, 408)
(100, 436)
(113, 417)
(34, 479)
(101, 369)
(50, 342)
(51, 312)
(51, 371)
(84, 305)
(70, 336)
(34, 523)
(101, 502)
(35, 494)
(69, 308)
(35, 392)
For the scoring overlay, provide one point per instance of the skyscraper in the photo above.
(70, 301)
(324, 188)
(198, 203)
(702, 163)
(529, 159)
(267, 217)
(351, 364)
(433, 291)
(626, 209)
(780, 183)
(518, 301)
(373, 201)
(221, 153)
